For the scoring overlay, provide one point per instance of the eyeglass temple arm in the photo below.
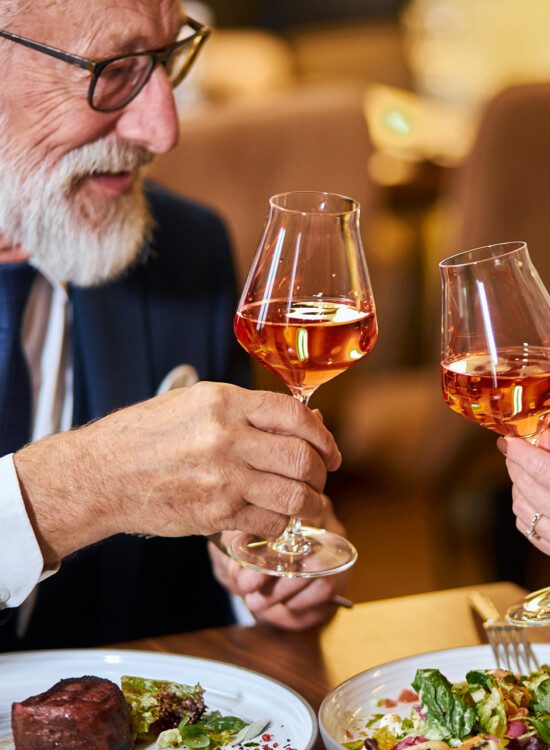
(202, 35)
(52, 51)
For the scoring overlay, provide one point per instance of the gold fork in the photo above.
(509, 642)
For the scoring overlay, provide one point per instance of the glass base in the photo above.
(325, 554)
(533, 611)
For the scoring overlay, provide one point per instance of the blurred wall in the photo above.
(277, 14)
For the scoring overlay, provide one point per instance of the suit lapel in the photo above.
(112, 368)
(111, 347)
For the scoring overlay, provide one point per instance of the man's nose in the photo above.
(151, 119)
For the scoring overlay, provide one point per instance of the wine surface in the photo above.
(306, 342)
(511, 398)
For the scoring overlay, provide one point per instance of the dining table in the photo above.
(314, 661)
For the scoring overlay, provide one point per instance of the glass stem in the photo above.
(292, 541)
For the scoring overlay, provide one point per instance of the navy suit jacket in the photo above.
(175, 307)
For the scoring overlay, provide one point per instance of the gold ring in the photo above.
(530, 532)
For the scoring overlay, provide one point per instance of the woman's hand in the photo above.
(529, 470)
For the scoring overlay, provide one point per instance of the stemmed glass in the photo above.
(306, 313)
(495, 356)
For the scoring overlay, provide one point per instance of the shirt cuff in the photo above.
(243, 615)
(21, 562)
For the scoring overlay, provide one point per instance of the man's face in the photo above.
(77, 168)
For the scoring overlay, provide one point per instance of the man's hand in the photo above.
(288, 603)
(529, 470)
(197, 460)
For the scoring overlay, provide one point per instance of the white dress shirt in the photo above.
(46, 343)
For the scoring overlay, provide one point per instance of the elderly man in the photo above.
(104, 289)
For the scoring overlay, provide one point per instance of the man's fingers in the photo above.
(225, 569)
(259, 521)
(275, 412)
(284, 455)
(326, 519)
(297, 593)
(282, 617)
(287, 497)
(276, 591)
(249, 580)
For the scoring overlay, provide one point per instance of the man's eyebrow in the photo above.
(121, 44)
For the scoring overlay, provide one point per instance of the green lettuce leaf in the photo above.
(541, 694)
(478, 677)
(444, 708)
(492, 714)
(542, 727)
(157, 705)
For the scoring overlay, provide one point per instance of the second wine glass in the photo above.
(307, 314)
(495, 356)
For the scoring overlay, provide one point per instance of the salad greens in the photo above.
(176, 714)
(448, 714)
(491, 709)
(156, 705)
(213, 731)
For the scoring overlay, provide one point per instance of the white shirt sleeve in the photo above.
(243, 615)
(21, 562)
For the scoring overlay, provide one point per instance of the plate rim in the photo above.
(477, 646)
(28, 655)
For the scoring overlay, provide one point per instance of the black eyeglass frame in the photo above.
(95, 67)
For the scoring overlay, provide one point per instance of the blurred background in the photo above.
(435, 116)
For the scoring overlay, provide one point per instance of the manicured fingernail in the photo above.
(318, 414)
(502, 445)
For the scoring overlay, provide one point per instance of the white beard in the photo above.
(65, 237)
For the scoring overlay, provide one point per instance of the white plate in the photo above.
(228, 688)
(350, 704)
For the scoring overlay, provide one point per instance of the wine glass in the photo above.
(306, 313)
(495, 355)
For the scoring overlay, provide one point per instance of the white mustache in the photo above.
(100, 157)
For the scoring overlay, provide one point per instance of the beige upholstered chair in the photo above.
(502, 190)
(234, 157)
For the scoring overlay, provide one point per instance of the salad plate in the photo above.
(229, 689)
(349, 706)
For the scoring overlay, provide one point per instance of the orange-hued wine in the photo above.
(306, 342)
(511, 397)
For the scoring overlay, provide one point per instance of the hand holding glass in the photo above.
(306, 314)
(495, 355)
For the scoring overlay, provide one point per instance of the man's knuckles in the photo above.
(305, 464)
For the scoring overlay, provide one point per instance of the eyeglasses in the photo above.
(116, 81)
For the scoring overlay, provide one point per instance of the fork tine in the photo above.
(531, 661)
(515, 647)
(506, 642)
(494, 641)
(511, 648)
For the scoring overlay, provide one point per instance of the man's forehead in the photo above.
(103, 27)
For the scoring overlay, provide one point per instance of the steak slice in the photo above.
(79, 713)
